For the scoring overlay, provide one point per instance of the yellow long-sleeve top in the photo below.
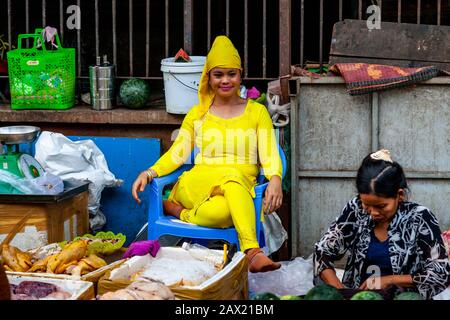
(229, 149)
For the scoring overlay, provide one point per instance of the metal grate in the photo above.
(316, 18)
(270, 34)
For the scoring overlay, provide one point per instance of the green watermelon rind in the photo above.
(265, 296)
(134, 93)
(366, 295)
(408, 296)
(324, 292)
(290, 297)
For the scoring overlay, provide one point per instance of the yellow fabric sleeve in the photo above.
(268, 154)
(181, 148)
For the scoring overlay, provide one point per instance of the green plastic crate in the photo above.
(41, 78)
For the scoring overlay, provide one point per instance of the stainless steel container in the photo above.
(102, 80)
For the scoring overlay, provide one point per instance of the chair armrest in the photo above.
(161, 182)
(259, 189)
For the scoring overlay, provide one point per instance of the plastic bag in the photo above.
(80, 160)
(173, 271)
(46, 184)
(293, 278)
(444, 295)
(274, 232)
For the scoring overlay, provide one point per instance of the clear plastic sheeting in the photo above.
(46, 184)
(293, 278)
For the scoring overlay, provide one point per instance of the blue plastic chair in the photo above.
(160, 224)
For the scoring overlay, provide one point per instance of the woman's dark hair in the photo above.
(381, 178)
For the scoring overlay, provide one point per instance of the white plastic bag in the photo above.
(80, 160)
(274, 233)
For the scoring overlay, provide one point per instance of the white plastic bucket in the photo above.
(181, 82)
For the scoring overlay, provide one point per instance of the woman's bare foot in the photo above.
(259, 262)
(172, 209)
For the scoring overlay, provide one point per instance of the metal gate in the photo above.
(332, 132)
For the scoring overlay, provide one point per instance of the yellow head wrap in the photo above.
(222, 54)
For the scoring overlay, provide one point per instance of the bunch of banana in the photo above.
(71, 260)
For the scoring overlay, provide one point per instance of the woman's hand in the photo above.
(377, 283)
(273, 197)
(402, 280)
(329, 277)
(139, 184)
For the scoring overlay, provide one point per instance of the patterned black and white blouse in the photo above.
(415, 246)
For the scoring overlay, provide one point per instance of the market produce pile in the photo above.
(327, 292)
(73, 259)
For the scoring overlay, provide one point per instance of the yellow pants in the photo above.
(230, 204)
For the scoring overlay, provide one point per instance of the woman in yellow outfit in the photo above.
(234, 137)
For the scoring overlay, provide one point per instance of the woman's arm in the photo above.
(377, 283)
(268, 153)
(336, 241)
(273, 196)
(329, 277)
(434, 276)
(175, 157)
(404, 280)
(270, 160)
(181, 149)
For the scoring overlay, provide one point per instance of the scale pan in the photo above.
(18, 134)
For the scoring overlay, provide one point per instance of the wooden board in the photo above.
(400, 44)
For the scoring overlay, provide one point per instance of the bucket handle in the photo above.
(184, 84)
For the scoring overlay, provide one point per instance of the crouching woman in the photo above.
(390, 241)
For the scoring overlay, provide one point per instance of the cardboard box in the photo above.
(231, 283)
(79, 290)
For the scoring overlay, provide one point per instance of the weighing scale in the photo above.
(18, 165)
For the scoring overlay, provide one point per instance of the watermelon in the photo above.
(134, 93)
(182, 56)
(265, 296)
(367, 295)
(290, 297)
(324, 292)
(408, 296)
